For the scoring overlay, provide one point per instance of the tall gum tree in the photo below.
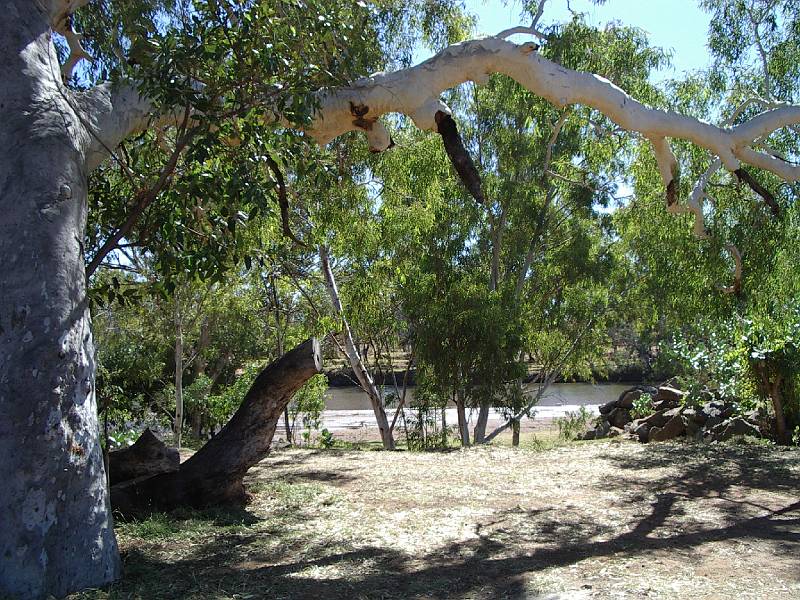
(56, 534)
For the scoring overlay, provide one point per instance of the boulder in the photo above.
(673, 412)
(619, 417)
(731, 427)
(642, 431)
(602, 429)
(717, 408)
(628, 397)
(607, 407)
(589, 435)
(693, 414)
(657, 419)
(668, 393)
(666, 404)
(692, 427)
(712, 422)
(615, 432)
(672, 429)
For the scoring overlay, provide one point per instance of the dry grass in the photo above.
(590, 520)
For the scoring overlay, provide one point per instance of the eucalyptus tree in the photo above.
(548, 174)
(731, 307)
(270, 78)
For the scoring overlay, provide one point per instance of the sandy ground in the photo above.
(587, 520)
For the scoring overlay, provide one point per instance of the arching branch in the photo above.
(415, 92)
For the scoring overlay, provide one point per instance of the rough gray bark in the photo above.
(214, 474)
(56, 534)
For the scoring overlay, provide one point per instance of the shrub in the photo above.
(573, 423)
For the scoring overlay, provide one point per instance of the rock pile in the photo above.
(670, 417)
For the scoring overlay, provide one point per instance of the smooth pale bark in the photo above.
(57, 536)
(214, 474)
(353, 356)
(56, 533)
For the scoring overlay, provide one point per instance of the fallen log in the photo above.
(147, 457)
(213, 476)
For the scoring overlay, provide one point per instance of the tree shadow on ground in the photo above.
(276, 564)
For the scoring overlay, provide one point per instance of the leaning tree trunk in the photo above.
(214, 475)
(56, 533)
(356, 362)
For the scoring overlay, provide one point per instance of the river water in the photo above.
(349, 407)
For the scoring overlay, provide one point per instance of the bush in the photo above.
(642, 406)
(307, 406)
(573, 423)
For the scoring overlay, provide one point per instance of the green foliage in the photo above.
(219, 407)
(307, 406)
(642, 406)
(573, 423)
(326, 439)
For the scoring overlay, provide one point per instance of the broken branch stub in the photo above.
(462, 162)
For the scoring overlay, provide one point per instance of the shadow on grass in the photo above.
(277, 564)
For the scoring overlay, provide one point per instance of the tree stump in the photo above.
(213, 476)
(147, 457)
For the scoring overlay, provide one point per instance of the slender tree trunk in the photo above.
(276, 304)
(515, 433)
(479, 433)
(463, 426)
(56, 533)
(773, 390)
(199, 368)
(214, 474)
(178, 374)
(356, 362)
(781, 432)
(444, 426)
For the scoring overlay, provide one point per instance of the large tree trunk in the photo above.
(214, 475)
(56, 533)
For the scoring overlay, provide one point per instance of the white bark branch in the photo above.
(737, 271)
(115, 112)
(61, 22)
(414, 91)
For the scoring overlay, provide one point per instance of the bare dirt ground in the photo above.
(587, 520)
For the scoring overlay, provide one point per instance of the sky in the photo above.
(677, 25)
